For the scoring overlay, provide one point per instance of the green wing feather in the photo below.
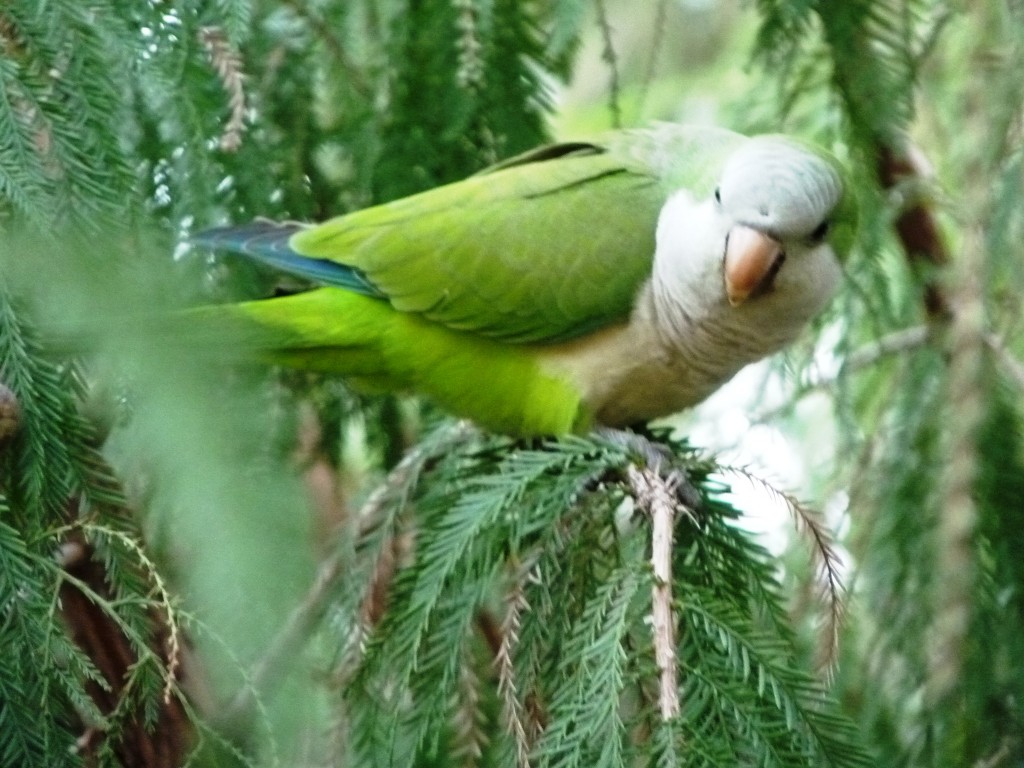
(544, 247)
(502, 386)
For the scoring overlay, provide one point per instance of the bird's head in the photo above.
(777, 224)
(783, 201)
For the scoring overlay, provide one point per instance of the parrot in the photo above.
(604, 282)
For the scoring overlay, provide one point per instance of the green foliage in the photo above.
(443, 128)
(61, 88)
(558, 530)
(929, 425)
(56, 490)
(488, 603)
(871, 51)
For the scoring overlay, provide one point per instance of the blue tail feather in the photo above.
(269, 243)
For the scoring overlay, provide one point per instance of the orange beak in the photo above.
(751, 258)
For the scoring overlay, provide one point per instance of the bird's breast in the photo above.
(649, 368)
(625, 375)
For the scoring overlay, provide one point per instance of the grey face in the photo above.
(780, 188)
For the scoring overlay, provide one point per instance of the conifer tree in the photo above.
(242, 566)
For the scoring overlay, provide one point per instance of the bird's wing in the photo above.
(544, 247)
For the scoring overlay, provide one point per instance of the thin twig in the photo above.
(894, 343)
(353, 75)
(902, 340)
(825, 560)
(657, 41)
(865, 356)
(292, 636)
(609, 57)
(996, 758)
(657, 495)
(1013, 367)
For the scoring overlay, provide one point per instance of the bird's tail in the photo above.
(326, 329)
(269, 242)
(372, 346)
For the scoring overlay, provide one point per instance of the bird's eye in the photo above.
(718, 195)
(821, 231)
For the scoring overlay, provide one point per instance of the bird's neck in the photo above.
(711, 336)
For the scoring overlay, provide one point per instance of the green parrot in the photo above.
(591, 283)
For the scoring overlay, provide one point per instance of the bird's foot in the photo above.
(658, 457)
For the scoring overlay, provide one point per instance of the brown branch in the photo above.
(658, 496)
(954, 593)
(10, 415)
(490, 630)
(105, 643)
(916, 226)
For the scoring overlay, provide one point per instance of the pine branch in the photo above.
(61, 111)
(228, 66)
(470, 72)
(522, 730)
(586, 727)
(568, 651)
(722, 639)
